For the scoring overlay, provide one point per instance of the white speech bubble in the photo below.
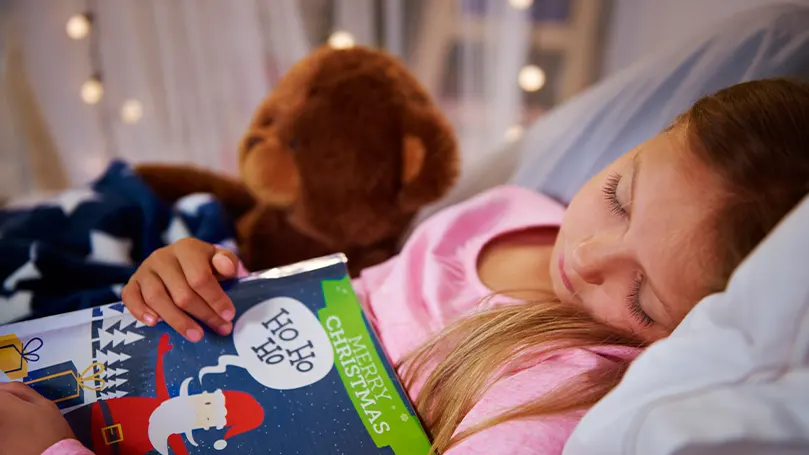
(281, 344)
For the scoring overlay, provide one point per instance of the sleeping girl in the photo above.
(509, 315)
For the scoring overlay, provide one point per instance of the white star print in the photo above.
(16, 307)
(70, 199)
(28, 271)
(190, 204)
(177, 230)
(107, 249)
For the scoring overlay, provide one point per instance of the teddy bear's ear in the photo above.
(429, 158)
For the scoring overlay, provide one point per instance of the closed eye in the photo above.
(618, 209)
(610, 192)
(635, 307)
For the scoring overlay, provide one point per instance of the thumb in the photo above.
(22, 392)
(225, 263)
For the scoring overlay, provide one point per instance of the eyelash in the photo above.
(633, 300)
(610, 191)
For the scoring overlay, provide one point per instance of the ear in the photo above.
(412, 159)
(429, 158)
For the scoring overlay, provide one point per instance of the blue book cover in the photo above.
(302, 373)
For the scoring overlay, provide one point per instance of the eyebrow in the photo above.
(636, 164)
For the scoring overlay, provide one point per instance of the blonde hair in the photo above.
(478, 350)
(753, 135)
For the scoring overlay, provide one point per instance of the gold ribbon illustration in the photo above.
(88, 375)
(94, 376)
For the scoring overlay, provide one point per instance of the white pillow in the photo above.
(733, 378)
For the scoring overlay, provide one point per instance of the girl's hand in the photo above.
(183, 278)
(29, 422)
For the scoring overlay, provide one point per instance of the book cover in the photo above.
(302, 373)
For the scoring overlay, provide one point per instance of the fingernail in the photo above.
(193, 335)
(149, 319)
(223, 329)
(228, 315)
(223, 264)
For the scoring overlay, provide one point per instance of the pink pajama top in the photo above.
(433, 282)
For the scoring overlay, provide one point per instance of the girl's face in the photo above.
(635, 246)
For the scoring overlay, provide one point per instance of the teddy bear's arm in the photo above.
(172, 182)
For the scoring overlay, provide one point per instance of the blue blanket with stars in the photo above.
(79, 249)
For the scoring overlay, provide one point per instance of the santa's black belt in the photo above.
(112, 432)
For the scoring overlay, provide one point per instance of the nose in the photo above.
(598, 255)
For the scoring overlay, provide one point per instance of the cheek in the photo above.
(585, 214)
(608, 304)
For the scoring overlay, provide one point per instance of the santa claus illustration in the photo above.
(139, 425)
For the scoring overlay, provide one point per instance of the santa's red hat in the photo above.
(244, 413)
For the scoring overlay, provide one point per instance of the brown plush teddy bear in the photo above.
(339, 158)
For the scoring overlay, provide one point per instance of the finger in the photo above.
(186, 298)
(225, 263)
(157, 298)
(196, 265)
(133, 299)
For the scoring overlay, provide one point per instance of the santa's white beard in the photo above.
(173, 416)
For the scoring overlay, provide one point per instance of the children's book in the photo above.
(302, 373)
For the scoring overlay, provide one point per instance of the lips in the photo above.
(565, 280)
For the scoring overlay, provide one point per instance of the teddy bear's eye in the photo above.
(293, 144)
(266, 121)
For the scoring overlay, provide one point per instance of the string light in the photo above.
(86, 25)
(521, 4)
(78, 26)
(131, 111)
(513, 133)
(531, 78)
(341, 40)
(92, 90)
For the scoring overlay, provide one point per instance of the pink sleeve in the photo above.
(544, 435)
(67, 447)
(241, 272)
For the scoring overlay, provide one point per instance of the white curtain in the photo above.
(196, 68)
(189, 74)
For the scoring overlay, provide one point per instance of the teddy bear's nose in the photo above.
(251, 142)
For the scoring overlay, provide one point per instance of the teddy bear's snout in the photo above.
(251, 142)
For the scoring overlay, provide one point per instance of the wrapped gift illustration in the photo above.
(62, 383)
(14, 356)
